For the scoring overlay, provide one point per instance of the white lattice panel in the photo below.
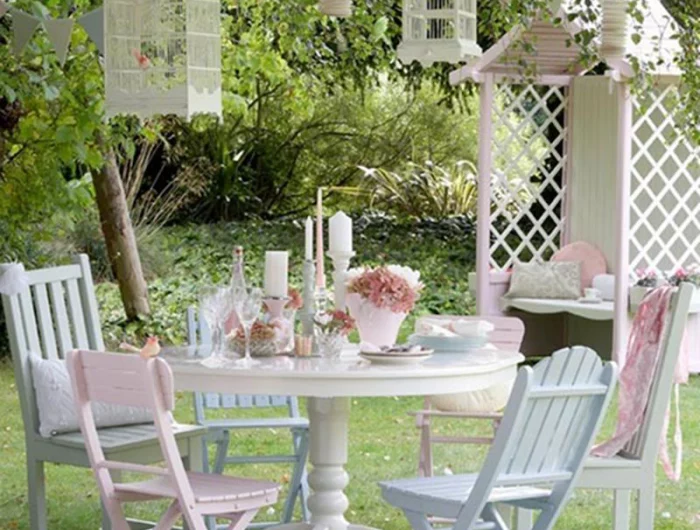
(529, 161)
(665, 201)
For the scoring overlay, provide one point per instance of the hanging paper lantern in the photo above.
(162, 57)
(438, 30)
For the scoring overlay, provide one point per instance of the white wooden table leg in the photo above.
(328, 454)
(328, 447)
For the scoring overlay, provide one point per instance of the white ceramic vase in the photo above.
(376, 326)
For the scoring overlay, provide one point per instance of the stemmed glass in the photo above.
(216, 304)
(248, 305)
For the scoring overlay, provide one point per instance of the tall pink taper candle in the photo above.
(320, 272)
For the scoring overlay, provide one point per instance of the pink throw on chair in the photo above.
(637, 376)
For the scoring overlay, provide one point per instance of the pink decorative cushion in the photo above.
(591, 258)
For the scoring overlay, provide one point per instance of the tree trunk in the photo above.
(119, 236)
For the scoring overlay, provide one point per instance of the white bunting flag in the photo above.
(4, 8)
(59, 31)
(23, 27)
(94, 24)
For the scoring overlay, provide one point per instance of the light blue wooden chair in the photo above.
(54, 315)
(549, 425)
(219, 430)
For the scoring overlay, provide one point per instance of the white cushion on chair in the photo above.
(54, 401)
(491, 399)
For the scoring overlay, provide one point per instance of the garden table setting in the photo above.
(249, 344)
(329, 385)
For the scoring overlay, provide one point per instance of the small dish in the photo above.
(400, 352)
(457, 344)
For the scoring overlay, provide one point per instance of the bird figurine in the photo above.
(149, 350)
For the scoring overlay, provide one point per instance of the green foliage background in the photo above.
(198, 255)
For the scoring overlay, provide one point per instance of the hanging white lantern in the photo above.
(162, 57)
(438, 31)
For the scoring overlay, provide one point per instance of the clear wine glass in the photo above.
(216, 304)
(248, 307)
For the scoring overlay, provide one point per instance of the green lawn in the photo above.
(383, 445)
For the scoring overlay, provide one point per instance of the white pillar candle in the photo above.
(276, 266)
(309, 239)
(340, 233)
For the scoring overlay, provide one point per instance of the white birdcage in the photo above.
(162, 57)
(438, 30)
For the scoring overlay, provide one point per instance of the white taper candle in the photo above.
(320, 271)
(309, 239)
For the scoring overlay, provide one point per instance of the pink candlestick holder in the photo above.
(275, 306)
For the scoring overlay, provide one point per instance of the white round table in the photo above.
(329, 385)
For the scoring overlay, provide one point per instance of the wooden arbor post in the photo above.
(623, 175)
(483, 220)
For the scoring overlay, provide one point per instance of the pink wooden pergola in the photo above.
(565, 156)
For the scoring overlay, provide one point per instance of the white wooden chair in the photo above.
(132, 381)
(55, 314)
(219, 430)
(550, 422)
(507, 335)
(634, 469)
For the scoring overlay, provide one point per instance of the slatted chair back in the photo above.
(549, 425)
(645, 443)
(132, 381)
(55, 314)
(507, 334)
(198, 333)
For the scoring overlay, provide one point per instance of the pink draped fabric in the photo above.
(643, 352)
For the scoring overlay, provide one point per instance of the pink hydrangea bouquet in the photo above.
(389, 287)
(380, 298)
(690, 275)
(335, 322)
(646, 277)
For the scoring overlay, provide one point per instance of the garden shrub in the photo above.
(268, 161)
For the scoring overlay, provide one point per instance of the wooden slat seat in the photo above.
(447, 493)
(634, 468)
(537, 454)
(206, 487)
(148, 383)
(127, 437)
(220, 429)
(507, 334)
(56, 313)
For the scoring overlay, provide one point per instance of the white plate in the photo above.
(395, 359)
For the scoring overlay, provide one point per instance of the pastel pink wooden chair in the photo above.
(132, 381)
(508, 334)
